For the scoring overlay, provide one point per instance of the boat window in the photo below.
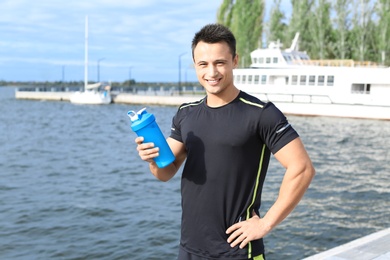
(256, 79)
(303, 57)
(268, 60)
(250, 79)
(294, 80)
(321, 80)
(238, 78)
(255, 60)
(330, 80)
(303, 80)
(243, 79)
(275, 60)
(261, 60)
(263, 79)
(361, 88)
(312, 80)
(358, 88)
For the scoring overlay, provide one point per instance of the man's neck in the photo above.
(221, 99)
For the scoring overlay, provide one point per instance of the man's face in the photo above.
(214, 66)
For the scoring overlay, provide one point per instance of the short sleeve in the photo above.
(176, 127)
(275, 130)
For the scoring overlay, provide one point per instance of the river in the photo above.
(72, 185)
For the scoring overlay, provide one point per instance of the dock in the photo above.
(175, 100)
(121, 98)
(43, 95)
(375, 246)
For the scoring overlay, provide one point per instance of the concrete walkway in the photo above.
(123, 98)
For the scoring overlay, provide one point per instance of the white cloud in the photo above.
(145, 34)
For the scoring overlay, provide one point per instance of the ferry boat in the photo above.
(301, 86)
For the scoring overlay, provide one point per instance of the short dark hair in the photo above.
(214, 33)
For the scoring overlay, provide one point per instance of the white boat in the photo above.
(301, 86)
(91, 94)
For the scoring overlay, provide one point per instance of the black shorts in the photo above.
(184, 255)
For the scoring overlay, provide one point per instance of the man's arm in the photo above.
(299, 173)
(147, 152)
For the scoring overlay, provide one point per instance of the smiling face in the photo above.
(214, 64)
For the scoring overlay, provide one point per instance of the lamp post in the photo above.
(98, 69)
(180, 70)
(63, 75)
(130, 75)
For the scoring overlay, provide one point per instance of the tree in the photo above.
(224, 14)
(245, 20)
(342, 25)
(383, 30)
(321, 29)
(362, 29)
(276, 30)
(299, 22)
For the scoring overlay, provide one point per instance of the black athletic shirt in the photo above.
(228, 151)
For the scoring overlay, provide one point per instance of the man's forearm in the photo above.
(291, 192)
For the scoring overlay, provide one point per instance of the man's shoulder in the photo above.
(190, 105)
(252, 100)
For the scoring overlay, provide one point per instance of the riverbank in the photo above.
(175, 98)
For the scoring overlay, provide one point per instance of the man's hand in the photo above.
(243, 232)
(146, 151)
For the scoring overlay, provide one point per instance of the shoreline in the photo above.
(166, 98)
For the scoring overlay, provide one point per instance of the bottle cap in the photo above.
(134, 116)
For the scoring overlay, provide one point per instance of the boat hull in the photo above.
(91, 98)
(335, 110)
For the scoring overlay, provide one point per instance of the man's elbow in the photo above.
(310, 172)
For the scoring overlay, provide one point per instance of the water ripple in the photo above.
(72, 186)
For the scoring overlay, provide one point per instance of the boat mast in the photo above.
(86, 54)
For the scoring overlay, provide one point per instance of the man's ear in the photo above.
(235, 61)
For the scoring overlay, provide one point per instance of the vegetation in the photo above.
(329, 29)
(244, 18)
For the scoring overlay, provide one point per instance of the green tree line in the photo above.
(329, 29)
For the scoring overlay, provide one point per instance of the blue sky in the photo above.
(43, 40)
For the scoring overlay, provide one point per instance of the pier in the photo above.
(142, 98)
(375, 246)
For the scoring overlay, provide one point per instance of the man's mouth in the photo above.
(212, 81)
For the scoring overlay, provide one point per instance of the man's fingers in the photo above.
(139, 140)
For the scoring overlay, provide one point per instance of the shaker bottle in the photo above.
(144, 124)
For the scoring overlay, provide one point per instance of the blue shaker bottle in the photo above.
(144, 124)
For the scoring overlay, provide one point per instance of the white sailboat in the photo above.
(91, 94)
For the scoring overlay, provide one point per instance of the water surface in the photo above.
(72, 185)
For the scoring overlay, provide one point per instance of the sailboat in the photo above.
(91, 93)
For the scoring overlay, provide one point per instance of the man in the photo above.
(226, 140)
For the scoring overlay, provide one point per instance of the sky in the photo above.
(44, 40)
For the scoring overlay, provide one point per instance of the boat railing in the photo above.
(337, 63)
(295, 98)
